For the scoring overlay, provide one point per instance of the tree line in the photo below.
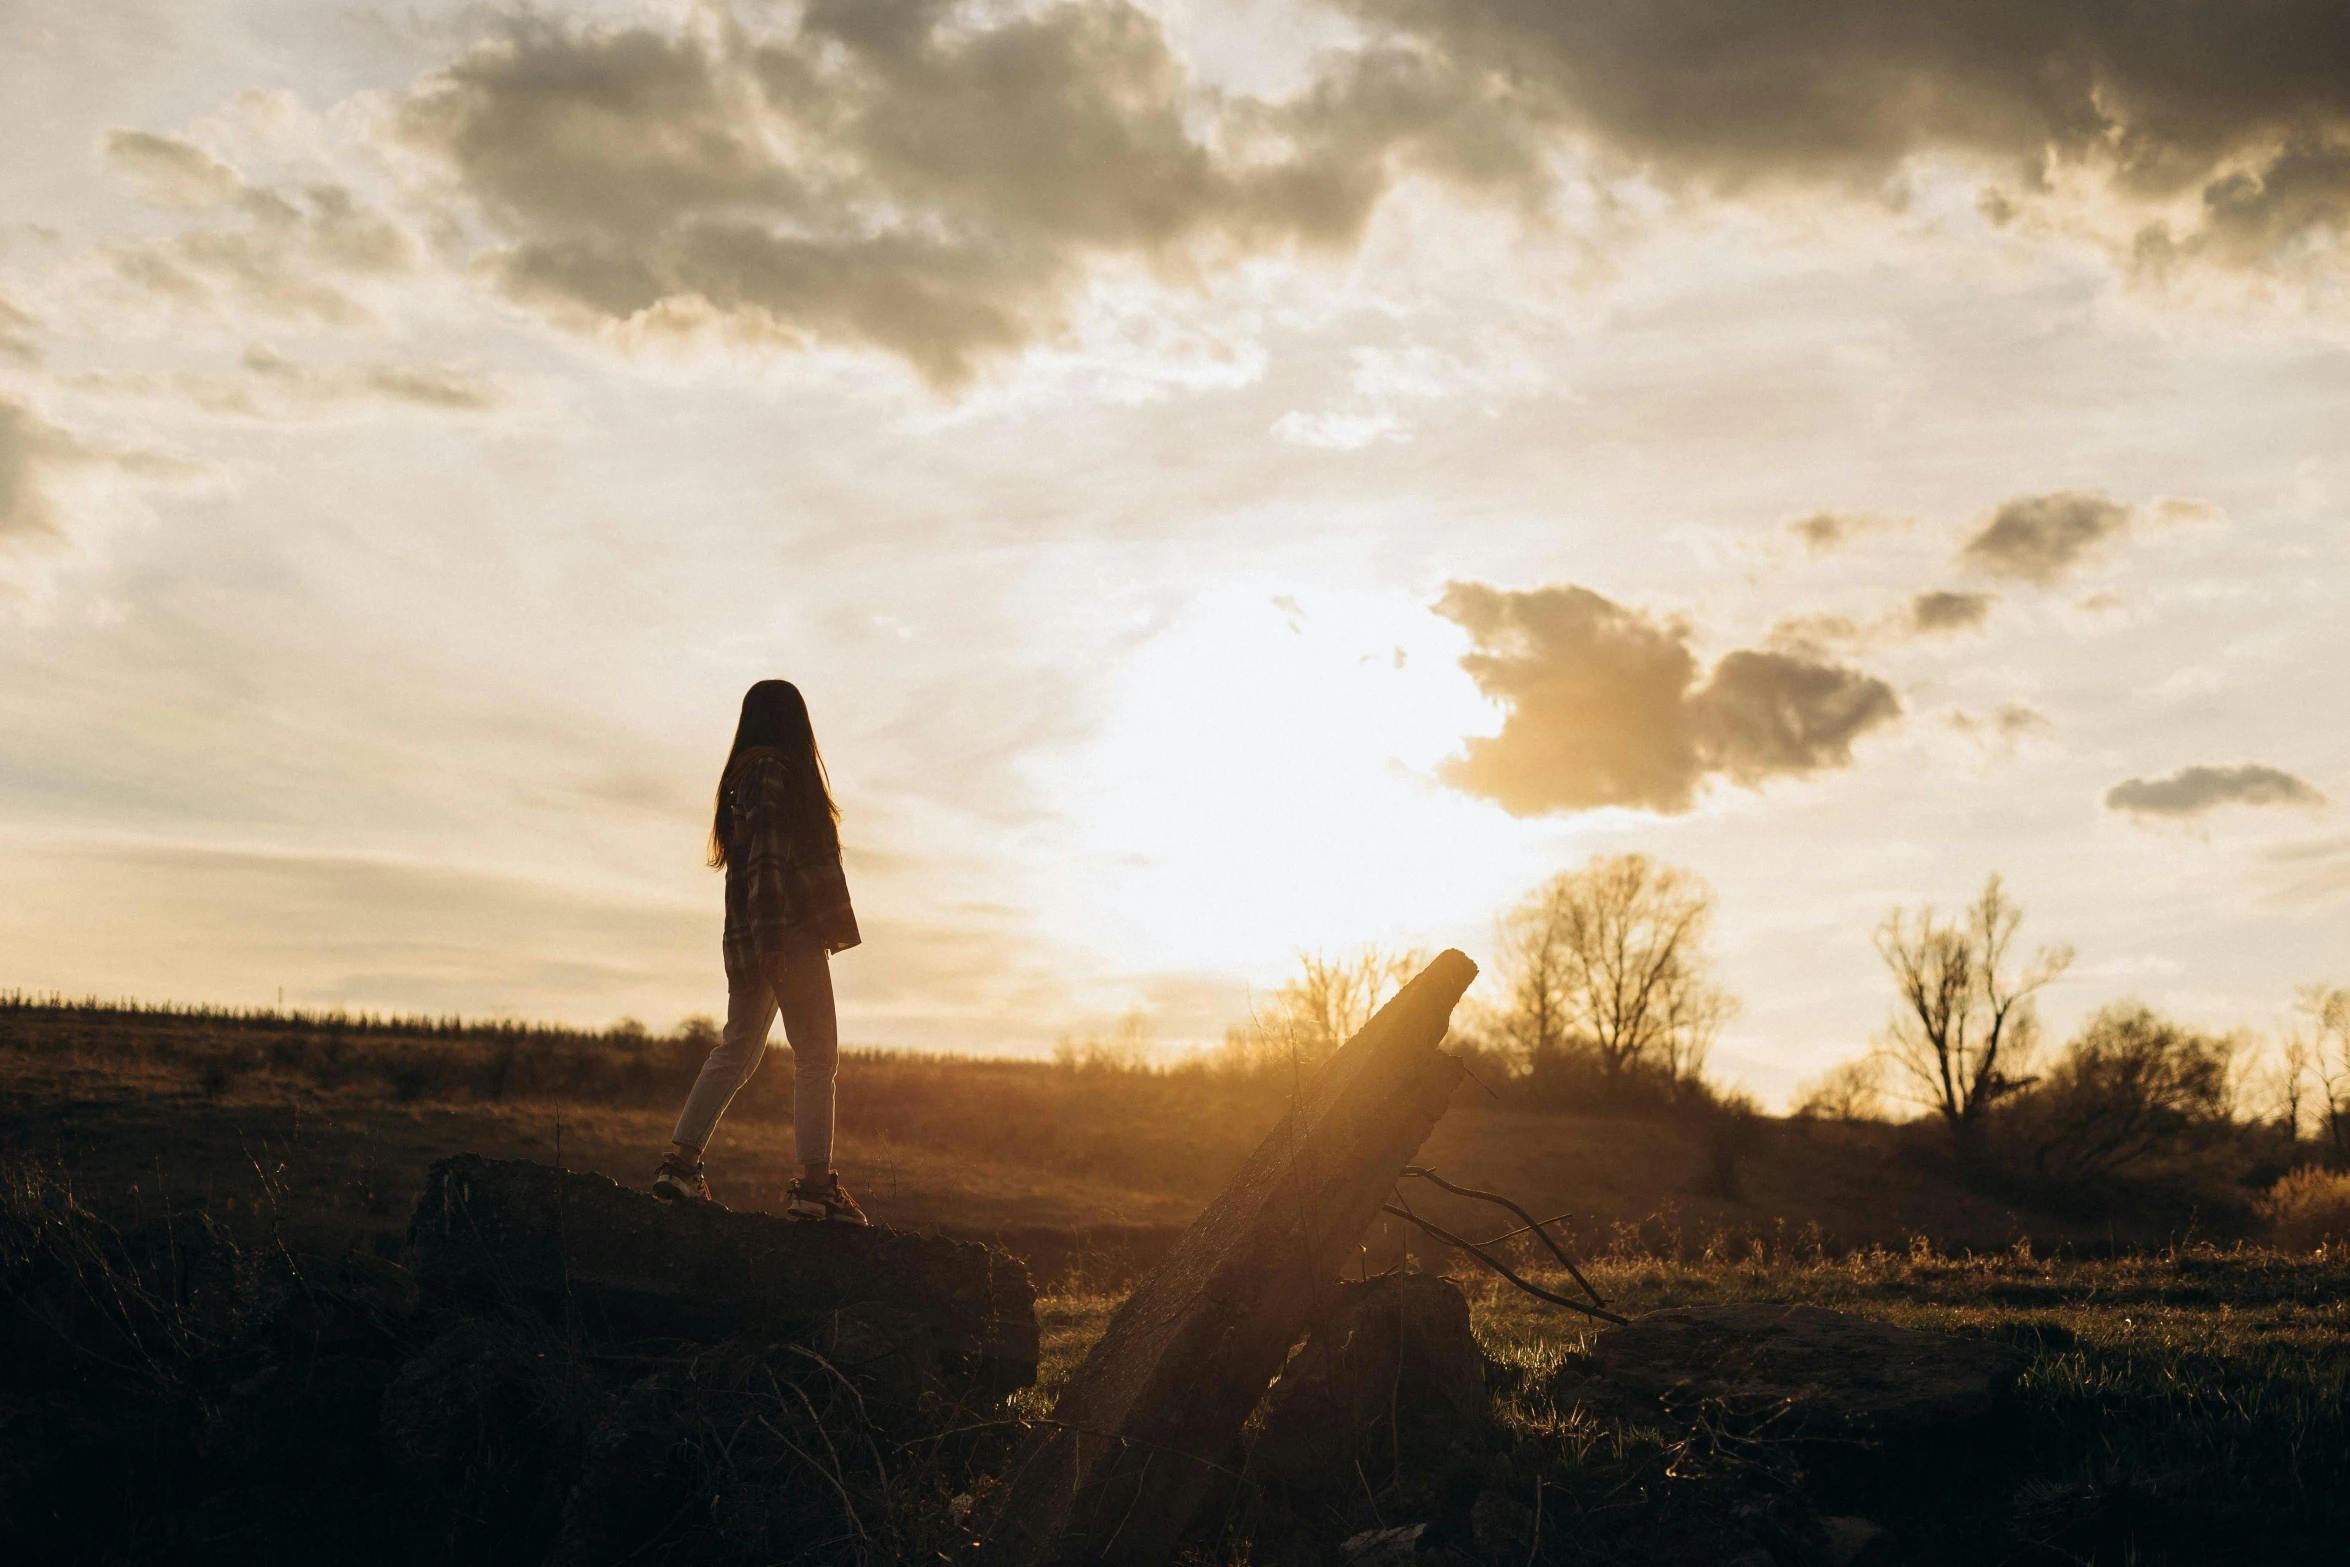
(2130, 1090)
(1607, 993)
(1603, 997)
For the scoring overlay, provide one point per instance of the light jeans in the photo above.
(798, 981)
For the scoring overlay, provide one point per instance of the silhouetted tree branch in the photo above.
(2325, 1054)
(1966, 1022)
(2133, 1086)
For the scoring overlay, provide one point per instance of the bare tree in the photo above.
(1690, 1019)
(1967, 1021)
(1126, 1048)
(1848, 1091)
(1532, 1020)
(1610, 960)
(1320, 1008)
(2282, 1085)
(2327, 1049)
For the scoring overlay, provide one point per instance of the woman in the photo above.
(777, 834)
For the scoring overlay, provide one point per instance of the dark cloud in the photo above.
(1813, 635)
(2245, 108)
(286, 250)
(1941, 611)
(1606, 706)
(32, 451)
(1936, 613)
(2038, 538)
(908, 175)
(270, 386)
(1764, 714)
(1824, 531)
(2252, 215)
(939, 179)
(426, 386)
(2191, 791)
(2011, 722)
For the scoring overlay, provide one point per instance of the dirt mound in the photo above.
(569, 1244)
(1803, 1370)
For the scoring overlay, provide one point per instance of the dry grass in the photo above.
(2309, 1210)
(2183, 1403)
(1076, 1166)
(2187, 1405)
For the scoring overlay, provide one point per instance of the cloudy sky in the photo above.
(1230, 477)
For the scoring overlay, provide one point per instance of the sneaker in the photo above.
(680, 1182)
(830, 1200)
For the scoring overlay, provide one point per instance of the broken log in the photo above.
(1150, 1417)
(568, 1243)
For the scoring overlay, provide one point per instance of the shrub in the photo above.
(1127, 1049)
(1847, 1091)
(424, 1072)
(2134, 1093)
(694, 1038)
(2308, 1209)
(1733, 1127)
(217, 1071)
(1574, 1077)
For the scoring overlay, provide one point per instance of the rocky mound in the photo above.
(566, 1243)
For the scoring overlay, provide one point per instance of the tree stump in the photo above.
(1150, 1416)
(1390, 1380)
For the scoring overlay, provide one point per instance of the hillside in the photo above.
(329, 1125)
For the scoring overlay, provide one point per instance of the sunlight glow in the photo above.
(1266, 784)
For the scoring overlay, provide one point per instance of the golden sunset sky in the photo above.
(1230, 478)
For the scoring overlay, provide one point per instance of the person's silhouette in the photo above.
(776, 833)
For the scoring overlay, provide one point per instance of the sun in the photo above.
(1266, 781)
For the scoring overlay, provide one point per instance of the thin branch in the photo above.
(1422, 1172)
(1511, 1235)
(1535, 1290)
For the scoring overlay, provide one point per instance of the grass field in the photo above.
(2188, 1405)
(2187, 1397)
(1061, 1163)
(2183, 1406)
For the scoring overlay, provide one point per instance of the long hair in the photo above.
(775, 718)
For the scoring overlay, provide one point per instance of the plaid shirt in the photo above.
(779, 886)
